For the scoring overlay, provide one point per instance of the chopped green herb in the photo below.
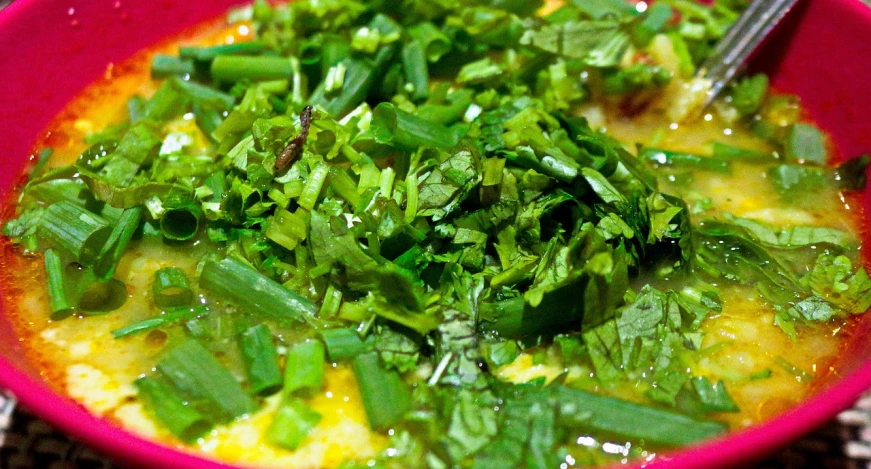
(408, 192)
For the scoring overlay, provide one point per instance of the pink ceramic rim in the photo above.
(732, 449)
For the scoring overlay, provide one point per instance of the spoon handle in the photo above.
(751, 28)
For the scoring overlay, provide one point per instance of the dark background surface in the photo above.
(29, 443)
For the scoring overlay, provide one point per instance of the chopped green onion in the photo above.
(493, 168)
(304, 371)
(167, 102)
(171, 289)
(118, 241)
(233, 68)
(163, 66)
(634, 420)
(180, 419)
(504, 317)
(407, 131)
(433, 42)
(41, 164)
(684, 160)
(386, 399)
(286, 228)
(460, 102)
(261, 360)
(294, 422)
(343, 185)
(332, 49)
(335, 78)
(57, 292)
(388, 177)
(200, 378)
(310, 49)
(181, 218)
(481, 71)
(728, 152)
(332, 303)
(370, 177)
(76, 230)
(342, 344)
(412, 197)
(386, 26)
(416, 70)
(73, 191)
(299, 91)
(360, 78)
(253, 292)
(312, 189)
(170, 317)
(207, 54)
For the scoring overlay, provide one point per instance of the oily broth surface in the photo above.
(79, 356)
(743, 340)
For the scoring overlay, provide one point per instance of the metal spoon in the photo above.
(751, 28)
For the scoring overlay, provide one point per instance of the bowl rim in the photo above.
(735, 447)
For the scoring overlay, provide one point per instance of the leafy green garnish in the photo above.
(415, 195)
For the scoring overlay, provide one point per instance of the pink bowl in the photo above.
(51, 49)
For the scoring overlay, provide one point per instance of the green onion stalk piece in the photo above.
(342, 344)
(233, 68)
(359, 78)
(293, 423)
(406, 131)
(207, 54)
(635, 420)
(304, 372)
(163, 66)
(181, 419)
(386, 399)
(75, 230)
(416, 69)
(181, 220)
(171, 289)
(261, 360)
(170, 317)
(253, 292)
(118, 241)
(684, 160)
(57, 291)
(198, 376)
(433, 42)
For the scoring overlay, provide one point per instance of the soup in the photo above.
(497, 235)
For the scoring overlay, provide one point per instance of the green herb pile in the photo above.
(403, 186)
